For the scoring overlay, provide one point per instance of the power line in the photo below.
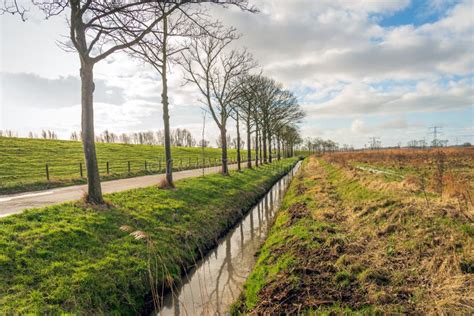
(436, 131)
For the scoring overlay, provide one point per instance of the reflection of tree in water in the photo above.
(266, 212)
(229, 282)
(230, 277)
(251, 226)
(242, 240)
(226, 283)
(259, 219)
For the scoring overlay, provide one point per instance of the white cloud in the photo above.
(333, 52)
(426, 96)
(359, 126)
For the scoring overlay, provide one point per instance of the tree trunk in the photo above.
(225, 167)
(256, 145)
(88, 141)
(264, 143)
(249, 145)
(260, 147)
(269, 147)
(164, 101)
(238, 143)
(278, 147)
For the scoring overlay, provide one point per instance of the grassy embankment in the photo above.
(23, 162)
(72, 258)
(344, 241)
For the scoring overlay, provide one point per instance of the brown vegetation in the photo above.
(347, 240)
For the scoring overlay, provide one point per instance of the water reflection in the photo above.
(216, 281)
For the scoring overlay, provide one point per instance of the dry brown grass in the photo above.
(447, 172)
(164, 184)
(396, 254)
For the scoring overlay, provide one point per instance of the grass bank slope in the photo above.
(23, 161)
(72, 258)
(339, 246)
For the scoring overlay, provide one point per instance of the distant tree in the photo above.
(106, 136)
(124, 138)
(228, 140)
(8, 133)
(74, 136)
(203, 143)
(160, 138)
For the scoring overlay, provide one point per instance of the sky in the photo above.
(390, 69)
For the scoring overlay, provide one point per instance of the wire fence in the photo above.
(119, 168)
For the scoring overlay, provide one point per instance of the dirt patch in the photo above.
(297, 211)
(315, 282)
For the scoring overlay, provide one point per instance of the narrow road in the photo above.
(16, 203)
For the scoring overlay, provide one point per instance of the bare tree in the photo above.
(245, 106)
(216, 73)
(74, 136)
(98, 29)
(203, 143)
(267, 110)
(236, 143)
(162, 47)
(157, 50)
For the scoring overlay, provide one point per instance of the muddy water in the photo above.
(216, 281)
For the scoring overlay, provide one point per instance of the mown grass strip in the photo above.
(72, 258)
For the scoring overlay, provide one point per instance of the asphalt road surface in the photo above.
(16, 203)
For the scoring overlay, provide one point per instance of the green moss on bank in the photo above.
(72, 258)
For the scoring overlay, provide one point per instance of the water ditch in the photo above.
(216, 281)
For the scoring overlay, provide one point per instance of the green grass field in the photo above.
(23, 161)
(75, 259)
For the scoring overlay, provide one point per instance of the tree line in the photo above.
(180, 137)
(320, 145)
(166, 33)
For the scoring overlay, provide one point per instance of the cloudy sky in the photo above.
(387, 68)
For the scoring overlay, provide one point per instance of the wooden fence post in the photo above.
(47, 172)
(129, 169)
(80, 170)
(146, 167)
(108, 168)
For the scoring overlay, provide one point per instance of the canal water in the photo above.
(216, 281)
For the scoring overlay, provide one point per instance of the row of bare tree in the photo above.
(8, 133)
(163, 33)
(179, 137)
(44, 134)
(321, 145)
